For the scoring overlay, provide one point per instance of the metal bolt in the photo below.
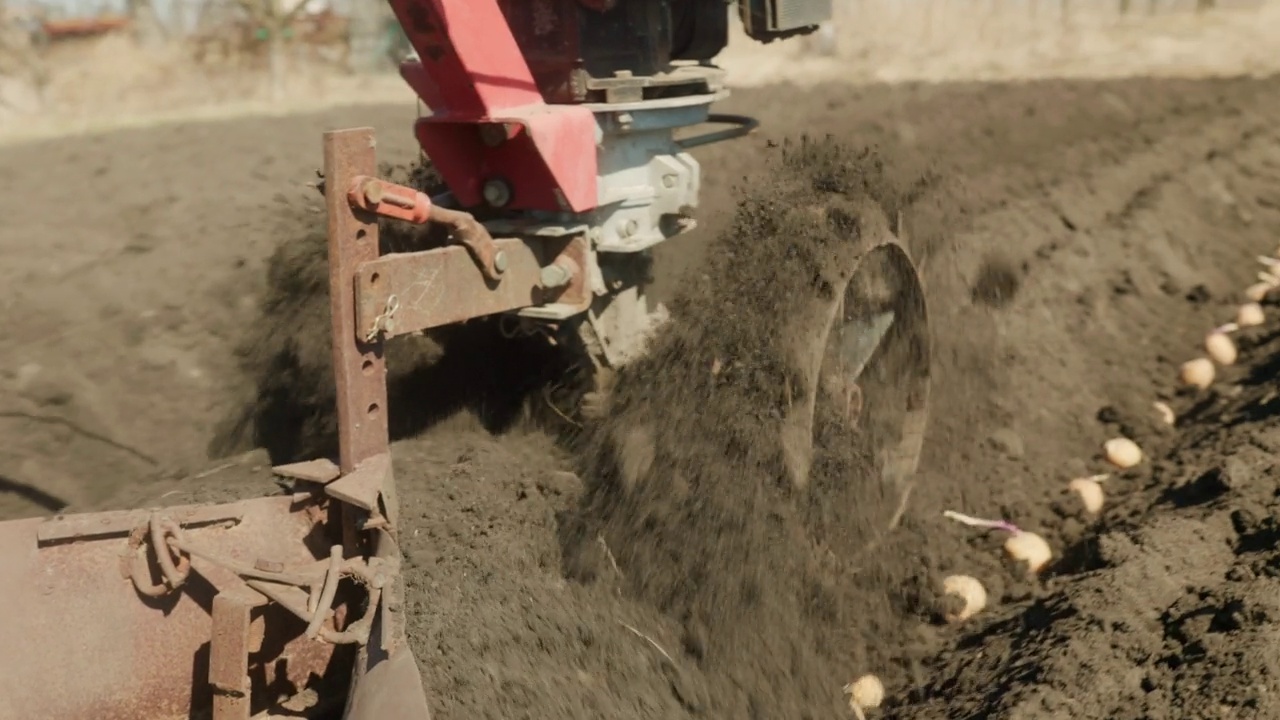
(497, 193)
(493, 134)
(628, 228)
(554, 276)
(500, 261)
(669, 181)
(372, 192)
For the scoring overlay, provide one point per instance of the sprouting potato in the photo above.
(1022, 546)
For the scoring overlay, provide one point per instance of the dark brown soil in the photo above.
(1077, 241)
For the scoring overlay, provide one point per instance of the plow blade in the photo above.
(391, 689)
(99, 631)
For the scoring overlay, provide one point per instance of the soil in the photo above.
(167, 340)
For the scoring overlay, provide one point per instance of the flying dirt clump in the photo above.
(997, 283)
(777, 592)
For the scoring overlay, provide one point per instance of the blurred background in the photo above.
(79, 64)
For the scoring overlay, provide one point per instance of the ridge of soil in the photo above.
(687, 489)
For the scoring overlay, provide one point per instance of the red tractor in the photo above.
(560, 128)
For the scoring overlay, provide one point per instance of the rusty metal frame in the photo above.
(372, 299)
(408, 293)
(157, 595)
(358, 362)
(219, 593)
(405, 293)
(213, 609)
(385, 679)
(229, 650)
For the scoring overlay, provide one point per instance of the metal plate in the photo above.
(82, 643)
(423, 290)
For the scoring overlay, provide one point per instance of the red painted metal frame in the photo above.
(472, 73)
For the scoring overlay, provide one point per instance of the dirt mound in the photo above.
(497, 630)
(689, 490)
(1169, 608)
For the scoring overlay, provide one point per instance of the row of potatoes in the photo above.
(867, 692)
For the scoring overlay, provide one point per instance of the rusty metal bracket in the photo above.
(231, 644)
(123, 522)
(358, 362)
(465, 230)
(388, 199)
(407, 293)
(364, 485)
(366, 507)
(314, 471)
